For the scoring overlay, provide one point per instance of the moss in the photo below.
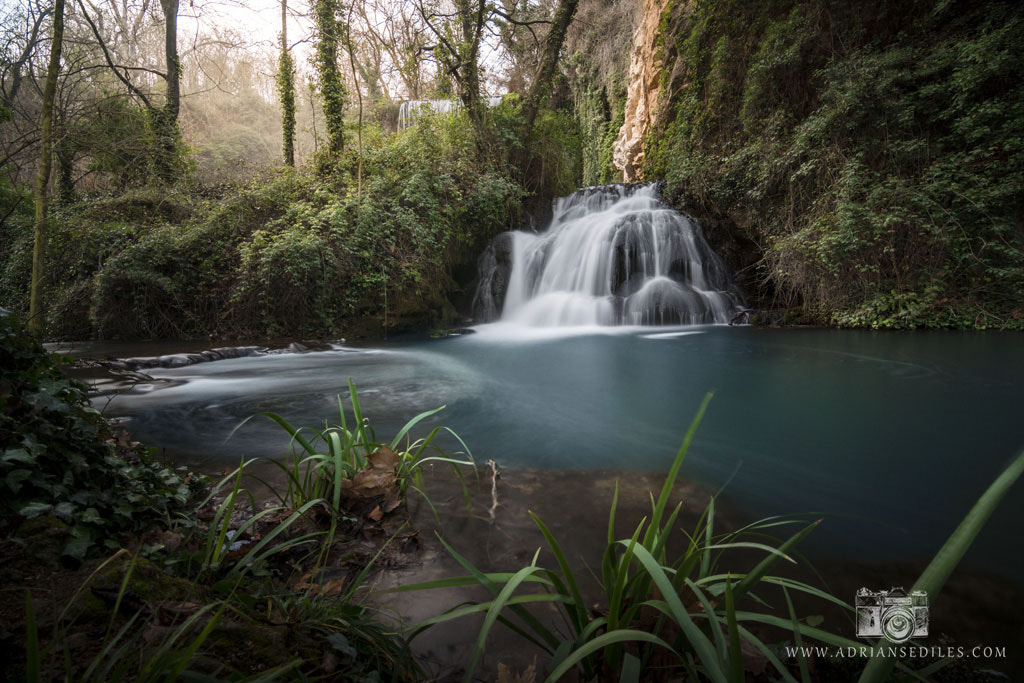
(882, 173)
(43, 538)
(148, 585)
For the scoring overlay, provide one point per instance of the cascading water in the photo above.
(410, 109)
(613, 255)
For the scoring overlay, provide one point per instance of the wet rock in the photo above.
(495, 267)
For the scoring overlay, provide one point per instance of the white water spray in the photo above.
(613, 255)
(409, 110)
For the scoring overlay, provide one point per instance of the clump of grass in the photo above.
(687, 605)
(324, 458)
(125, 653)
(679, 609)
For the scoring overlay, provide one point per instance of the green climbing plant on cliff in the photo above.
(876, 154)
(286, 91)
(329, 34)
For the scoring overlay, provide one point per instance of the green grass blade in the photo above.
(611, 514)
(700, 643)
(186, 656)
(105, 656)
(121, 593)
(542, 631)
(631, 668)
(603, 640)
(705, 559)
(945, 561)
(619, 585)
(808, 631)
(735, 652)
(410, 424)
(713, 622)
(798, 639)
(763, 567)
(477, 607)
(492, 614)
(253, 554)
(457, 581)
(767, 653)
(579, 607)
(292, 431)
(670, 479)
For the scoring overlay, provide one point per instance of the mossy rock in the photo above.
(147, 585)
(44, 537)
(257, 647)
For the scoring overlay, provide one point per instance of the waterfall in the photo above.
(410, 109)
(612, 255)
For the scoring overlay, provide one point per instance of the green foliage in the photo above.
(557, 166)
(57, 455)
(329, 34)
(641, 583)
(882, 171)
(115, 140)
(318, 474)
(598, 121)
(289, 253)
(684, 607)
(174, 279)
(286, 92)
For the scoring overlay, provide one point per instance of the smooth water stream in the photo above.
(611, 255)
(892, 435)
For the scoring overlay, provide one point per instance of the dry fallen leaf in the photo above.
(171, 613)
(332, 587)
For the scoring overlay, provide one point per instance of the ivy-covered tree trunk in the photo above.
(36, 311)
(164, 120)
(472, 18)
(546, 69)
(286, 86)
(332, 89)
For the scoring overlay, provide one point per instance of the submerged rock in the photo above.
(179, 360)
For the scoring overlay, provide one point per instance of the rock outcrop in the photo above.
(645, 68)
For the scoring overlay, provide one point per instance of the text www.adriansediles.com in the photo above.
(898, 652)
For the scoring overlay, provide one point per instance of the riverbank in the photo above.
(493, 533)
(401, 378)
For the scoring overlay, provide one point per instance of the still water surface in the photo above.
(892, 436)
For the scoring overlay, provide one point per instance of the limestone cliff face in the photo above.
(645, 67)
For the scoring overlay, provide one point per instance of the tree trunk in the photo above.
(546, 69)
(164, 120)
(472, 20)
(332, 90)
(19, 64)
(286, 84)
(36, 313)
(359, 129)
(65, 172)
(173, 104)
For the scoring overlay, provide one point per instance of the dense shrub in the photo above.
(175, 279)
(58, 456)
(373, 241)
(875, 151)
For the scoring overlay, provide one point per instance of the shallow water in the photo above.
(891, 436)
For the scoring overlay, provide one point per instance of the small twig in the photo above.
(494, 489)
